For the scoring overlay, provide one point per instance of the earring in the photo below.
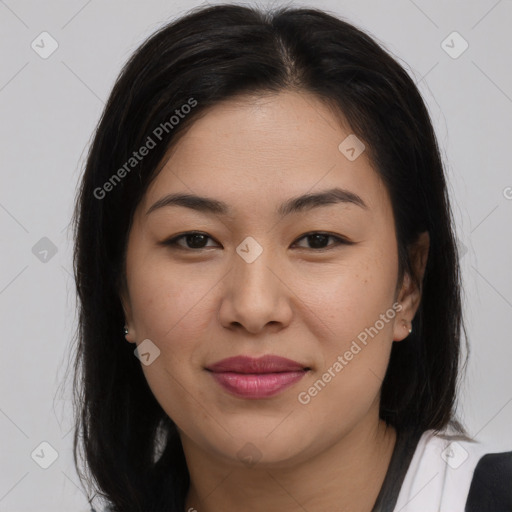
(125, 330)
(410, 328)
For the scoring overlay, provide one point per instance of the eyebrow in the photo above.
(301, 203)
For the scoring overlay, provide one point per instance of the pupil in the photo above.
(195, 238)
(316, 238)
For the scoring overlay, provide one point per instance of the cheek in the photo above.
(353, 296)
(171, 308)
(357, 305)
(169, 301)
(355, 353)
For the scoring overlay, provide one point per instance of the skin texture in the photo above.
(201, 305)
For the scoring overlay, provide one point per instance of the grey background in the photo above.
(49, 109)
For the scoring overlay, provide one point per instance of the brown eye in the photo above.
(318, 240)
(193, 240)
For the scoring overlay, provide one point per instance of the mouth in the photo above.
(257, 378)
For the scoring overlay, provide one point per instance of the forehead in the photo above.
(265, 149)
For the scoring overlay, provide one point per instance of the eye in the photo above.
(194, 239)
(319, 239)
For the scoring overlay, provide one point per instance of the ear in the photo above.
(125, 302)
(410, 293)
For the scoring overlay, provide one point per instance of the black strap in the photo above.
(405, 447)
(491, 486)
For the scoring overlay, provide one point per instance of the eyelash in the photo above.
(173, 242)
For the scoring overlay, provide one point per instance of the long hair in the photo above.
(131, 447)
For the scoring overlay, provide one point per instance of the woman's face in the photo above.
(254, 284)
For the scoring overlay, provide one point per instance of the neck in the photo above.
(346, 477)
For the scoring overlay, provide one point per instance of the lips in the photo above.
(264, 364)
(256, 378)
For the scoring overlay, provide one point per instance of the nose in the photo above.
(256, 295)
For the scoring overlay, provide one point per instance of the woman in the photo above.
(264, 222)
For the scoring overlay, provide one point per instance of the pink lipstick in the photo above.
(263, 377)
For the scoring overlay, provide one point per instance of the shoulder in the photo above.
(491, 486)
(450, 473)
